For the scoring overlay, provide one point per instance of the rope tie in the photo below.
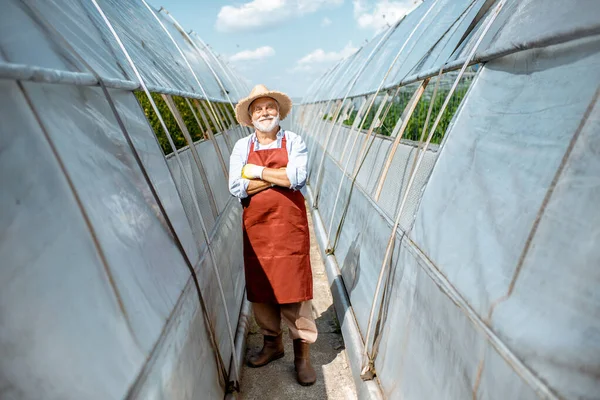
(366, 143)
(382, 39)
(367, 356)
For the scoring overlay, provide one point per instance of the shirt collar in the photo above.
(279, 135)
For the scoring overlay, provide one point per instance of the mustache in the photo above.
(267, 123)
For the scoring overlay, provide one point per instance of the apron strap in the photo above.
(284, 141)
(283, 144)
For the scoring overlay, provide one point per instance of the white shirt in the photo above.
(296, 168)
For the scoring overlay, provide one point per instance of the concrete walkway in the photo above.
(277, 381)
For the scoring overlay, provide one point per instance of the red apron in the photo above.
(276, 238)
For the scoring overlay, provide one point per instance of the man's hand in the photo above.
(276, 176)
(252, 171)
(256, 186)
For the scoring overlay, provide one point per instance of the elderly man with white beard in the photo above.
(267, 169)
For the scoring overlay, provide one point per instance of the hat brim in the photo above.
(242, 107)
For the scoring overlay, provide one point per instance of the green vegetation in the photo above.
(417, 121)
(350, 120)
(196, 131)
(414, 129)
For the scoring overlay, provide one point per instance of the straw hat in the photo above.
(243, 106)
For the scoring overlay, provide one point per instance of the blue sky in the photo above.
(285, 44)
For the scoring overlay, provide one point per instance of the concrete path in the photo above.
(277, 381)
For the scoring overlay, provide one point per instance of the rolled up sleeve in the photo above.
(238, 186)
(297, 163)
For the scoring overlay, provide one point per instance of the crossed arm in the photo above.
(270, 176)
(293, 176)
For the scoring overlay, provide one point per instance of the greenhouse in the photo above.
(453, 185)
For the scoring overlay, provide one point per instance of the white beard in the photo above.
(266, 125)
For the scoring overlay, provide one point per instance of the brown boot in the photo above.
(305, 374)
(272, 350)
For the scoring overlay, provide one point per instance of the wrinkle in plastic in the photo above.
(492, 177)
(570, 277)
(55, 287)
(120, 206)
(156, 166)
(536, 18)
(101, 274)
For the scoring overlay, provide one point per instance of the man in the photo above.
(266, 171)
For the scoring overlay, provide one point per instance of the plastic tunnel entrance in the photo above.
(453, 193)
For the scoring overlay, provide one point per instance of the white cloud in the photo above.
(260, 14)
(319, 60)
(381, 14)
(258, 54)
(326, 22)
(320, 56)
(308, 6)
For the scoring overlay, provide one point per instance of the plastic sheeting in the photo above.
(99, 247)
(226, 242)
(531, 19)
(240, 88)
(183, 363)
(79, 23)
(197, 195)
(504, 171)
(429, 35)
(153, 52)
(494, 180)
(19, 33)
(569, 290)
(363, 237)
(340, 78)
(427, 27)
(366, 227)
(125, 286)
(211, 82)
(371, 170)
(350, 69)
(40, 280)
(155, 164)
(138, 267)
(448, 43)
(445, 31)
(419, 359)
(86, 136)
(493, 293)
